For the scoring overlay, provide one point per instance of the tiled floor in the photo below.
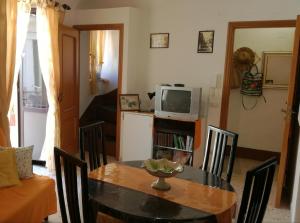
(240, 168)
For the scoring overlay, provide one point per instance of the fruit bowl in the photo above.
(162, 168)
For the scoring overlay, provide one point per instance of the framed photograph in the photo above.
(206, 41)
(129, 102)
(276, 69)
(159, 40)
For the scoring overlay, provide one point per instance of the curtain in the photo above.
(96, 52)
(23, 18)
(47, 18)
(14, 19)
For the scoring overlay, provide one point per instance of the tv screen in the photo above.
(176, 101)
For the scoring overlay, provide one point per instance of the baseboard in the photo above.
(255, 154)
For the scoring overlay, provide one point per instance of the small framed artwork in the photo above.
(129, 102)
(159, 40)
(276, 69)
(206, 41)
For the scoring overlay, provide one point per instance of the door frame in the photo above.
(119, 27)
(232, 26)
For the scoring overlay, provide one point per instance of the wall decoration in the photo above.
(129, 102)
(159, 40)
(206, 41)
(276, 69)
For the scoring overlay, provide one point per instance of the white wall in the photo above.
(262, 127)
(295, 205)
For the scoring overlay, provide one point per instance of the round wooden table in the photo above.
(135, 206)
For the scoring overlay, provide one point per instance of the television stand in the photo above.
(176, 139)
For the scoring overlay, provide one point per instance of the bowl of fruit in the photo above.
(162, 168)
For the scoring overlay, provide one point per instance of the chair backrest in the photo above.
(91, 140)
(257, 188)
(70, 165)
(218, 151)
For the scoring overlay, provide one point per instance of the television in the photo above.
(181, 103)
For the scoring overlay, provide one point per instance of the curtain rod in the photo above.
(65, 7)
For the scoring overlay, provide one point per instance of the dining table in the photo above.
(123, 190)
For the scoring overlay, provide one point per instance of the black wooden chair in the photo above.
(219, 150)
(91, 140)
(70, 165)
(257, 188)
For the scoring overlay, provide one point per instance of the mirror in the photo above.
(276, 69)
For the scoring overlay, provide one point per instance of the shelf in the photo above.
(173, 126)
(174, 131)
(169, 134)
(172, 148)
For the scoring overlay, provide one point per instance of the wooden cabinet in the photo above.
(176, 139)
(136, 136)
(144, 136)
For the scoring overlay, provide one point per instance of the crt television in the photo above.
(177, 102)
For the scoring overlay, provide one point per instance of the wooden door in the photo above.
(291, 117)
(69, 89)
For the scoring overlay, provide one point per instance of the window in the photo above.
(33, 87)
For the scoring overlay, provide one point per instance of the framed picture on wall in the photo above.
(159, 40)
(276, 69)
(129, 102)
(206, 41)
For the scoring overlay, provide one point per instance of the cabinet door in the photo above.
(136, 136)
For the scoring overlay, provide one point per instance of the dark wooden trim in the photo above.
(39, 162)
(263, 24)
(254, 154)
(292, 100)
(232, 26)
(120, 27)
(117, 26)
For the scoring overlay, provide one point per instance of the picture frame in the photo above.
(159, 40)
(206, 41)
(129, 102)
(276, 69)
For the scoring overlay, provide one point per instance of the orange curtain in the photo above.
(47, 17)
(96, 52)
(8, 24)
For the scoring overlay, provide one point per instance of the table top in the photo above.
(133, 201)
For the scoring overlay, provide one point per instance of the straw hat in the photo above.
(243, 60)
(243, 55)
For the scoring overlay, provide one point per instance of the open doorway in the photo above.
(259, 120)
(102, 104)
(284, 108)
